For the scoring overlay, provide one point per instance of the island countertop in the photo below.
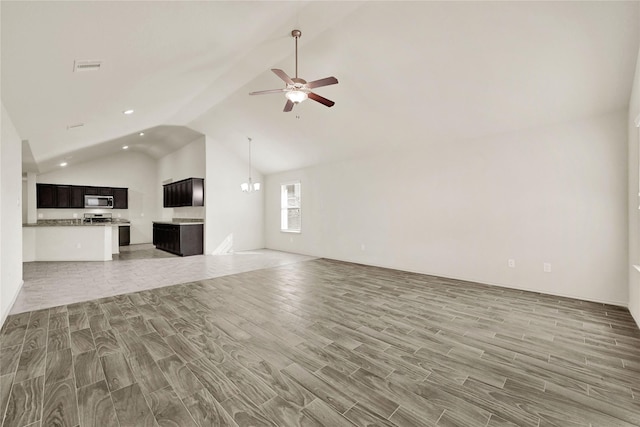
(181, 221)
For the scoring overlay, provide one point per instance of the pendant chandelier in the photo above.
(250, 186)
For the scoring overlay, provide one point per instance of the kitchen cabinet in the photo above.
(166, 196)
(124, 235)
(120, 198)
(69, 196)
(76, 196)
(56, 196)
(63, 196)
(186, 192)
(46, 196)
(179, 239)
(92, 191)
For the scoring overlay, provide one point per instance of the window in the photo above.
(290, 207)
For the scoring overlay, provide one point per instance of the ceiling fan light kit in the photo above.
(297, 89)
(296, 96)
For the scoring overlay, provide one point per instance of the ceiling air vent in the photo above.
(86, 65)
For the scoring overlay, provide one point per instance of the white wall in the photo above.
(634, 199)
(461, 210)
(187, 162)
(25, 197)
(29, 198)
(130, 169)
(234, 220)
(10, 214)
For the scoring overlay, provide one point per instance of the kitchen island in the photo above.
(180, 236)
(70, 240)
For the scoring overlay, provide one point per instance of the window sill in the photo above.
(291, 231)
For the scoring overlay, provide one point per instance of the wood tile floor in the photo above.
(322, 343)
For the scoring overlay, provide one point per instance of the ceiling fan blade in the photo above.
(264, 92)
(322, 82)
(283, 76)
(320, 99)
(288, 106)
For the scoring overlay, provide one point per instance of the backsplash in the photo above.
(79, 213)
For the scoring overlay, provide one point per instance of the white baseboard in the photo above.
(484, 282)
(635, 318)
(10, 307)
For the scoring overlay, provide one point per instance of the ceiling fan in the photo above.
(297, 90)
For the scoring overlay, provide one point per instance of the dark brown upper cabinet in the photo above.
(76, 197)
(63, 196)
(186, 192)
(46, 195)
(120, 198)
(92, 191)
(55, 196)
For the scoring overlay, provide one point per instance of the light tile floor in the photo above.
(137, 268)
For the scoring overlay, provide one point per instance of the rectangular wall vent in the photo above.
(86, 65)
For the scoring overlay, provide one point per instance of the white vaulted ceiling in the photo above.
(411, 73)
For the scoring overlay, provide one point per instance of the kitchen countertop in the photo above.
(76, 223)
(120, 221)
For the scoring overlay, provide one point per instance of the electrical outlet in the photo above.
(512, 263)
(78, 245)
(546, 267)
(363, 247)
(75, 215)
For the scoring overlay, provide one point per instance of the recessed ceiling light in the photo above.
(124, 147)
(127, 112)
(63, 164)
(141, 134)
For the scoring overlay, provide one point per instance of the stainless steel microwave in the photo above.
(103, 202)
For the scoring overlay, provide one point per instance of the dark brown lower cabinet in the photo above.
(124, 235)
(179, 239)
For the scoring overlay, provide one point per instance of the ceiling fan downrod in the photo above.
(296, 34)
